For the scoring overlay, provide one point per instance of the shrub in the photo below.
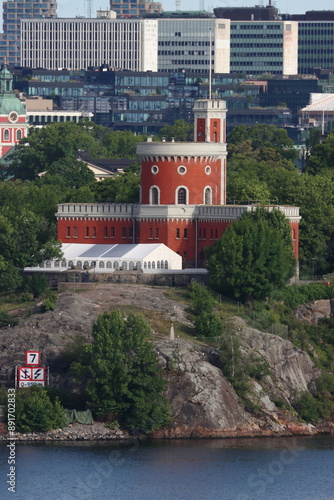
(307, 407)
(36, 413)
(208, 324)
(50, 302)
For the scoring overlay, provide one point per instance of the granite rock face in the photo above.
(311, 313)
(204, 403)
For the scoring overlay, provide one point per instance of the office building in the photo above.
(81, 43)
(135, 8)
(13, 12)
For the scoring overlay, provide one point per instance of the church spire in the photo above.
(6, 81)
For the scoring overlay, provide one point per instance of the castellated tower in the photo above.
(188, 173)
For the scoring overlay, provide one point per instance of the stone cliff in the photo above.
(204, 403)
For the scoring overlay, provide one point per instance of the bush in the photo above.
(36, 284)
(50, 302)
(36, 413)
(201, 298)
(307, 407)
(208, 324)
(7, 320)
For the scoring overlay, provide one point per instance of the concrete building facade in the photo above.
(81, 43)
(13, 12)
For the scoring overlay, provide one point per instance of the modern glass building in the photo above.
(259, 47)
(315, 45)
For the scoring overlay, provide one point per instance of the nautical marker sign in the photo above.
(31, 374)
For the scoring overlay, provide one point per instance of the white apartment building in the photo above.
(163, 44)
(80, 43)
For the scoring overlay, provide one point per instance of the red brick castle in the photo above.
(183, 196)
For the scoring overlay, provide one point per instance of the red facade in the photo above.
(182, 185)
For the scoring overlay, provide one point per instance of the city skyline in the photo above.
(68, 8)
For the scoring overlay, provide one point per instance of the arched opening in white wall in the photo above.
(181, 195)
(208, 196)
(154, 195)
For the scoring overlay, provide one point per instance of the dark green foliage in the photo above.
(208, 324)
(68, 400)
(69, 173)
(10, 276)
(253, 257)
(201, 298)
(123, 188)
(7, 320)
(181, 131)
(55, 143)
(295, 295)
(121, 369)
(314, 408)
(307, 407)
(50, 302)
(322, 156)
(36, 284)
(257, 367)
(35, 412)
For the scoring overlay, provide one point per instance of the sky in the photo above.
(73, 8)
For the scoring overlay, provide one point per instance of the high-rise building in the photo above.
(13, 12)
(135, 8)
(81, 43)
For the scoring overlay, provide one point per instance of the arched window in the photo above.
(6, 135)
(138, 265)
(131, 266)
(115, 265)
(79, 264)
(145, 265)
(149, 265)
(154, 195)
(158, 264)
(108, 266)
(124, 266)
(207, 196)
(153, 265)
(101, 264)
(166, 264)
(18, 135)
(182, 196)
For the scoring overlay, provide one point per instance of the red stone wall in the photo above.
(168, 180)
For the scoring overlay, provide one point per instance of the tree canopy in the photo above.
(121, 369)
(253, 257)
(181, 131)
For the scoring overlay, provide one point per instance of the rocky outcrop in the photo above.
(311, 313)
(292, 370)
(204, 403)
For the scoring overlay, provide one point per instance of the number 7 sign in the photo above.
(33, 358)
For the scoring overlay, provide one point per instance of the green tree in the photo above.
(322, 156)
(262, 139)
(253, 257)
(36, 413)
(121, 143)
(181, 131)
(71, 173)
(123, 378)
(57, 142)
(121, 188)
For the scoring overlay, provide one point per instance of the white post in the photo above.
(171, 336)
